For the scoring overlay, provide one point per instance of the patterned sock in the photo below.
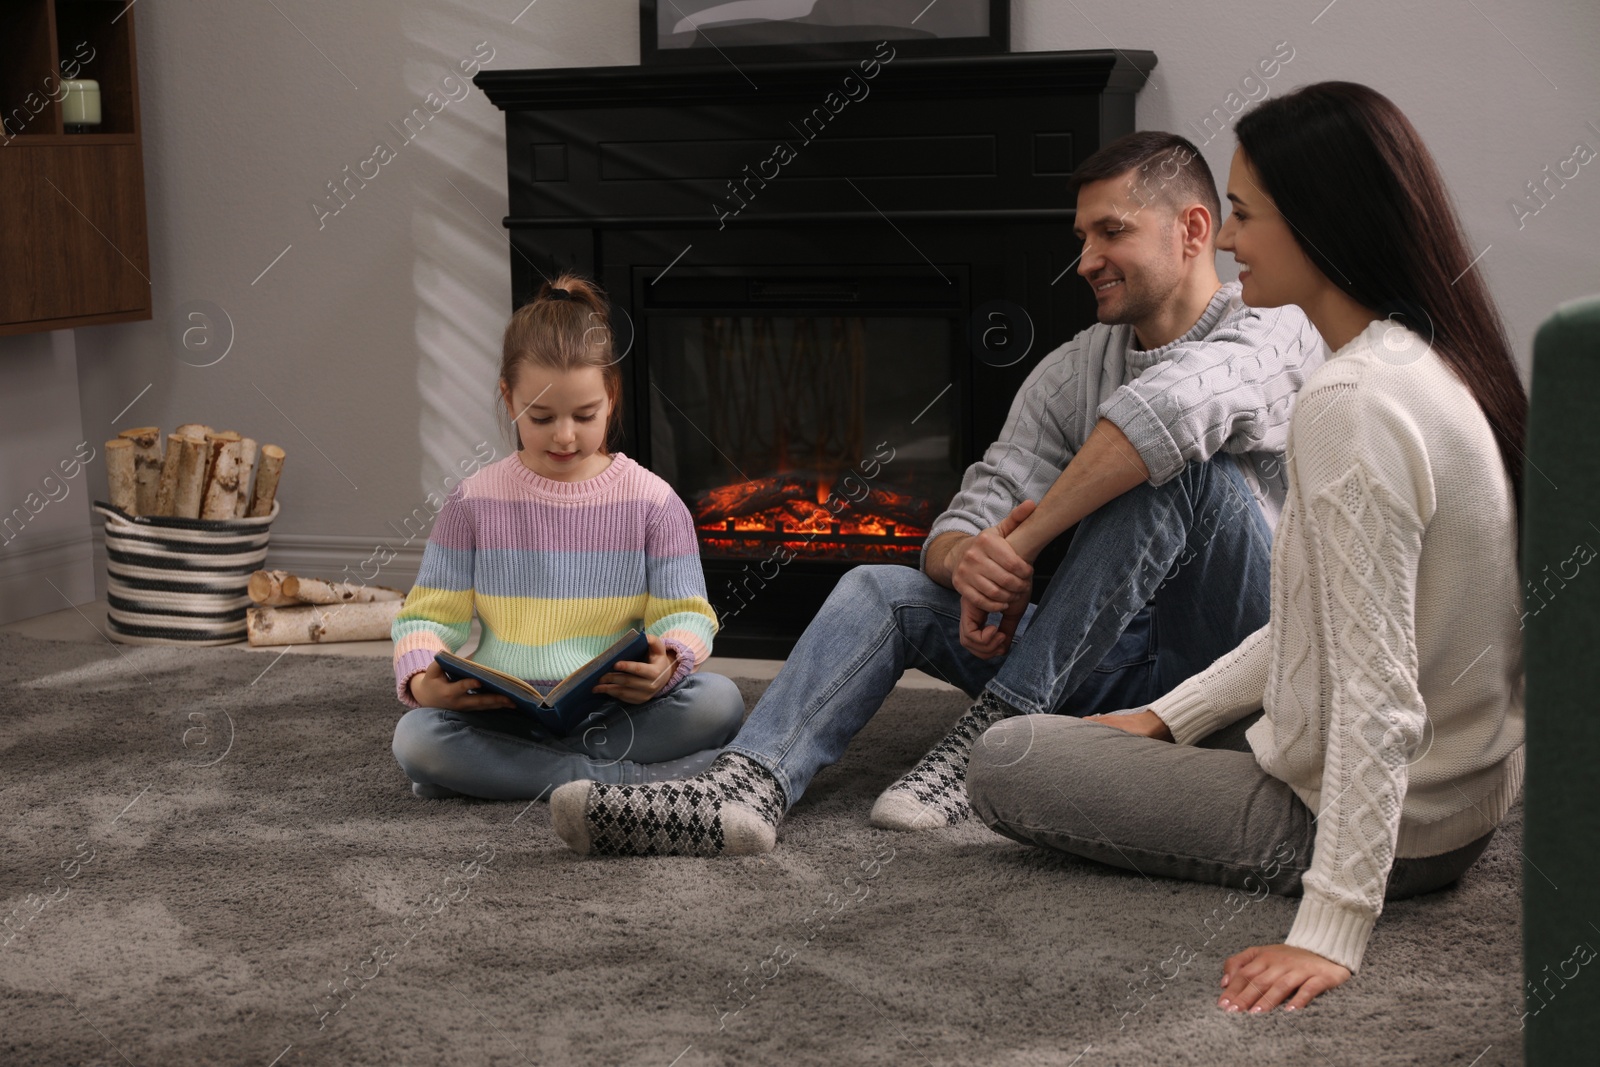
(934, 792)
(734, 807)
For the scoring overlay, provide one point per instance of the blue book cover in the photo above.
(563, 707)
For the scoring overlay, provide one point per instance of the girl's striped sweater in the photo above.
(556, 571)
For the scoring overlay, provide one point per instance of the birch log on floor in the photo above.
(121, 477)
(167, 489)
(247, 466)
(269, 469)
(191, 469)
(318, 624)
(317, 591)
(222, 484)
(266, 589)
(146, 464)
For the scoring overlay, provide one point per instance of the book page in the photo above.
(578, 676)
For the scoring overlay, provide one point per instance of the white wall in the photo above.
(1498, 88)
(368, 349)
(45, 559)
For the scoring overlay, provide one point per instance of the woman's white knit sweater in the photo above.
(1390, 670)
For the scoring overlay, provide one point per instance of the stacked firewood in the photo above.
(290, 610)
(199, 474)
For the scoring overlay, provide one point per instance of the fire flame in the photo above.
(791, 504)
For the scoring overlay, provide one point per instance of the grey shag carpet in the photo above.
(197, 854)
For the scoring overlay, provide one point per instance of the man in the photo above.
(1158, 433)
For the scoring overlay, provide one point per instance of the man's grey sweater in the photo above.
(1228, 385)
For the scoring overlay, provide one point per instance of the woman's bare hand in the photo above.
(1260, 978)
(1145, 723)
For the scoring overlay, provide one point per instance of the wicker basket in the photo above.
(180, 581)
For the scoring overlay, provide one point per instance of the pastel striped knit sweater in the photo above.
(557, 571)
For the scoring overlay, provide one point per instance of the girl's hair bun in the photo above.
(558, 294)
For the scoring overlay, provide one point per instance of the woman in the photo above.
(1389, 677)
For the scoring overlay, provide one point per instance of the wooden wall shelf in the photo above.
(57, 140)
(74, 247)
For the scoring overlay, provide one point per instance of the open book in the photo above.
(563, 707)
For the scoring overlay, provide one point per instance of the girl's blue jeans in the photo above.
(504, 755)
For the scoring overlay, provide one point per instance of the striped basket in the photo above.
(180, 581)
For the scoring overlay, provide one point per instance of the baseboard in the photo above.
(45, 572)
(370, 560)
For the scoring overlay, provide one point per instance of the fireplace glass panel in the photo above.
(828, 436)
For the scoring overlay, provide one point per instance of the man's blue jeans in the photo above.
(1155, 586)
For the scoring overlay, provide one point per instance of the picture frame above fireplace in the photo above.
(774, 31)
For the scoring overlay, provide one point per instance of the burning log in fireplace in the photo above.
(809, 512)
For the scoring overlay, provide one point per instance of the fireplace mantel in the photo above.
(1112, 71)
(641, 148)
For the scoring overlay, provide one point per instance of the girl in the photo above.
(560, 547)
(1389, 744)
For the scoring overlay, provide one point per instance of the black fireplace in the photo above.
(829, 286)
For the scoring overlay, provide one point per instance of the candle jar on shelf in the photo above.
(80, 105)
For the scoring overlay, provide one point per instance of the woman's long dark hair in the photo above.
(1366, 203)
